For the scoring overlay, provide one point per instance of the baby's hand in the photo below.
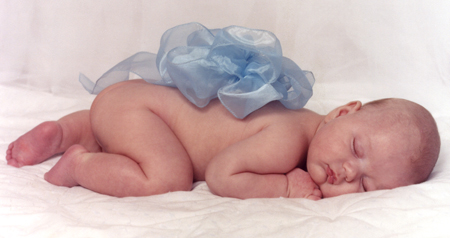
(301, 185)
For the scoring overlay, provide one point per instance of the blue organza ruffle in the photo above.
(243, 67)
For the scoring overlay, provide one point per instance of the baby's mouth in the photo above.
(331, 177)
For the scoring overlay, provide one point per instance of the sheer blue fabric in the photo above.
(243, 67)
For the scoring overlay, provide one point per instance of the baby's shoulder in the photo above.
(291, 124)
(279, 115)
(285, 137)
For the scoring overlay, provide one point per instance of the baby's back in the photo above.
(204, 132)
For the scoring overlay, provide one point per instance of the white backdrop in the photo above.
(356, 49)
(376, 45)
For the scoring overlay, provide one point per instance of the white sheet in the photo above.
(357, 50)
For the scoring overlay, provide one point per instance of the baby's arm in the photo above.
(261, 166)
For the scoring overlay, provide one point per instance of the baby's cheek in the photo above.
(316, 175)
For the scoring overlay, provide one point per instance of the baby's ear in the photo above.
(348, 108)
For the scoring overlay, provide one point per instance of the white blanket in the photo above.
(362, 50)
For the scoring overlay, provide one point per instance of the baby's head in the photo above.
(383, 144)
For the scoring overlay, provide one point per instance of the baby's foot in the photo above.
(62, 173)
(35, 146)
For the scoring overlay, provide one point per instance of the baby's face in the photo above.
(355, 153)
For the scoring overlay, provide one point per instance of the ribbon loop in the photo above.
(243, 67)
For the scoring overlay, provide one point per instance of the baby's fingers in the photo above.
(315, 198)
(316, 195)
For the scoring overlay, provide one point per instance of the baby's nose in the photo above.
(350, 171)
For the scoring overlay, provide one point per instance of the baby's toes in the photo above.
(10, 159)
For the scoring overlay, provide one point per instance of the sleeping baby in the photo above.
(141, 139)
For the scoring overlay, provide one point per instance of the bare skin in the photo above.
(130, 144)
(52, 138)
(140, 139)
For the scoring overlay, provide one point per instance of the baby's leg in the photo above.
(142, 156)
(50, 138)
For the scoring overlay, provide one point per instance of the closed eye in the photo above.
(354, 148)
(362, 184)
(357, 149)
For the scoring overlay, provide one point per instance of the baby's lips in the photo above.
(331, 177)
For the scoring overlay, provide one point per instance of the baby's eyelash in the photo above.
(353, 147)
(356, 151)
(362, 184)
